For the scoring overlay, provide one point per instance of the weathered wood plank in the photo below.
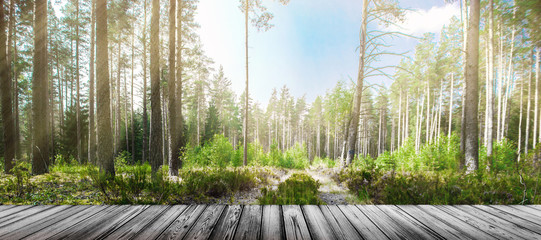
(96, 226)
(33, 223)
(183, 223)
(130, 229)
(161, 222)
(365, 227)
(518, 212)
(493, 229)
(502, 223)
(433, 223)
(317, 224)
(206, 222)
(530, 208)
(23, 214)
(523, 223)
(538, 207)
(227, 224)
(272, 227)
(71, 222)
(339, 224)
(5, 207)
(13, 210)
(384, 222)
(294, 223)
(250, 222)
(455, 222)
(406, 221)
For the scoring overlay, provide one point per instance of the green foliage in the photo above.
(134, 185)
(218, 152)
(19, 182)
(297, 189)
(378, 186)
(324, 162)
(216, 182)
(67, 141)
(504, 156)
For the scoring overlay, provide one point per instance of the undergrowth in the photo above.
(297, 189)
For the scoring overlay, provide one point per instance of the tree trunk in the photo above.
(520, 121)
(156, 154)
(529, 99)
(105, 146)
(464, 13)
(471, 146)
(78, 106)
(40, 90)
(146, 148)
(451, 93)
(171, 85)
(118, 101)
(7, 110)
(131, 97)
(537, 60)
(180, 118)
(91, 124)
(246, 97)
(490, 87)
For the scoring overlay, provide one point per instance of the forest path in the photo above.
(330, 191)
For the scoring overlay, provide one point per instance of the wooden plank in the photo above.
(32, 223)
(5, 207)
(530, 208)
(206, 222)
(272, 227)
(226, 226)
(71, 221)
(491, 228)
(13, 210)
(339, 224)
(162, 222)
(23, 214)
(250, 222)
(532, 226)
(130, 229)
(365, 227)
(183, 223)
(518, 212)
(538, 207)
(456, 223)
(99, 226)
(433, 223)
(406, 221)
(317, 224)
(386, 223)
(294, 223)
(502, 223)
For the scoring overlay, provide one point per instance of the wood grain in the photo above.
(226, 226)
(294, 223)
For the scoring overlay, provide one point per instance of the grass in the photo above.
(297, 189)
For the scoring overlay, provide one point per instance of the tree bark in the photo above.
(529, 99)
(490, 87)
(180, 118)
(451, 93)
(471, 147)
(40, 90)
(91, 123)
(156, 154)
(246, 97)
(352, 131)
(171, 85)
(105, 138)
(146, 148)
(7, 110)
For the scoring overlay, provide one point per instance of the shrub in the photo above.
(216, 182)
(297, 189)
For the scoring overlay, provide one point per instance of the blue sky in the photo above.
(311, 46)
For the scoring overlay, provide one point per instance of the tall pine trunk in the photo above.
(246, 97)
(40, 90)
(105, 138)
(171, 85)
(156, 154)
(490, 87)
(471, 147)
(146, 148)
(7, 111)
(91, 123)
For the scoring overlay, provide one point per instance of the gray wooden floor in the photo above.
(270, 222)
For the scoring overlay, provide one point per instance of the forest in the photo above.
(115, 101)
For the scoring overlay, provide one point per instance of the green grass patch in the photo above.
(297, 189)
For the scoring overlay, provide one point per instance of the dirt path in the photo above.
(330, 191)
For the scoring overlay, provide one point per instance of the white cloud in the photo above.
(421, 21)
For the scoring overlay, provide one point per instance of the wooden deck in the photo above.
(270, 222)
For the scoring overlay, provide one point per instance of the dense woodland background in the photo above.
(102, 79)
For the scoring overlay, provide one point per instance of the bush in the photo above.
(216, 182)
(440, 187)
(297, 189)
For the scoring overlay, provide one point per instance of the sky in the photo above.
(312, 45)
